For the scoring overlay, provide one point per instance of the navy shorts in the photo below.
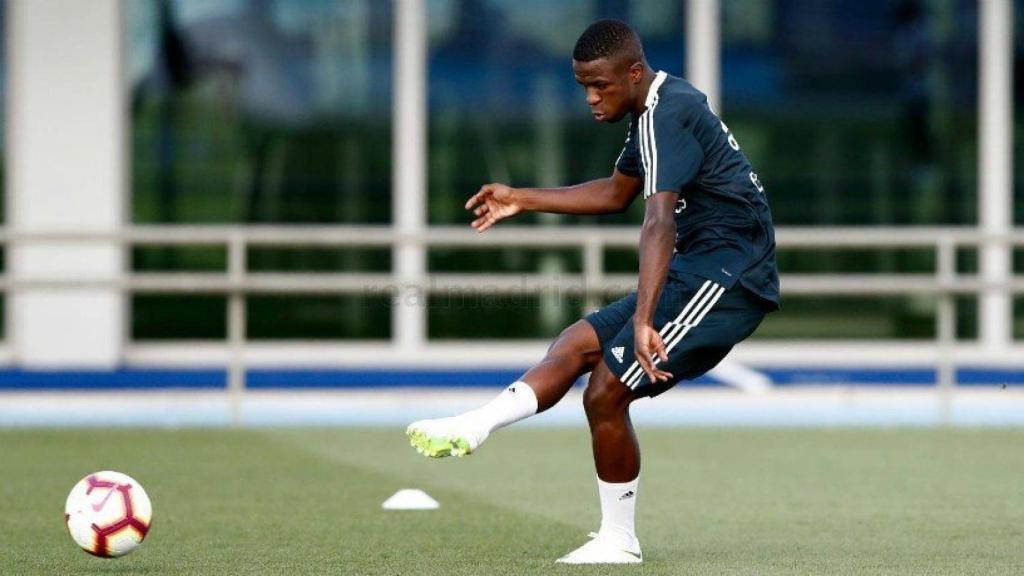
(699, 321)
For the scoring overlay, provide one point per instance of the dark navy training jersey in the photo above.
(724, 227)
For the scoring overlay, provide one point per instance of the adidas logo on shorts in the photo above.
(618, 351)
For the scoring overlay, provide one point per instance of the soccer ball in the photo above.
(108, 514)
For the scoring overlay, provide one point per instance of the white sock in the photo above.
(516, 402)
(618, 507)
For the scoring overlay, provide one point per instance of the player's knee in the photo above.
(605, 395)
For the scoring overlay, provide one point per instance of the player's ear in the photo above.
(636, 72)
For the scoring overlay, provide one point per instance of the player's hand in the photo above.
(647, 343)
(492, 203)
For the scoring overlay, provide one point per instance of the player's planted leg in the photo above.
(617, 459)
(575, 352)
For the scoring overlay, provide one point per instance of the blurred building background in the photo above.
(280, 111)
(267, 113)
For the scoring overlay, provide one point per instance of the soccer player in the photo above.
(707, 274)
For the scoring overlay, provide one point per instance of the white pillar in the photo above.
(703, 49)
(65, 173)
(408, 173)
(995, 166)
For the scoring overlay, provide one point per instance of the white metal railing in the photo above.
(236, 282)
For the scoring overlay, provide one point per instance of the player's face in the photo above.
(610, 86)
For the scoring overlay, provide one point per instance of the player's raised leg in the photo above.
(575, 352)
(617, 459)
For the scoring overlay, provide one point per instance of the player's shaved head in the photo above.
(608, 61)
(612, 40)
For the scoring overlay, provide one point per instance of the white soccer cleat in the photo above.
(445, 437)
(604, 550)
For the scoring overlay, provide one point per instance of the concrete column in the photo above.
(65, 173)
(995, 167)
(409, 168)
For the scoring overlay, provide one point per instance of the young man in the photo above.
(707, 274)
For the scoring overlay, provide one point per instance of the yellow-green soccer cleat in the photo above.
(442, 437)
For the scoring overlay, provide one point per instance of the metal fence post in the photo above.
(593, 272)
(236, 324)
(703, 49)
(946, 328)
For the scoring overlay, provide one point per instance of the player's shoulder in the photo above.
(680, 100)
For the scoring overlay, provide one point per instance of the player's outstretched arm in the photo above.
(657, 239)
(495, 202)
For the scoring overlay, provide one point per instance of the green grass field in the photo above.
(711, 502)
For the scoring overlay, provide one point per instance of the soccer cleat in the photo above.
(604, 550)
(443, 437)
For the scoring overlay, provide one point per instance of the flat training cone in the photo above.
(410, 499)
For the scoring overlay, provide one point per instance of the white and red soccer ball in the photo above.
(108, 514)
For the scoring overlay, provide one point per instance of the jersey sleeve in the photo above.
(670, 152)
(628, 162)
